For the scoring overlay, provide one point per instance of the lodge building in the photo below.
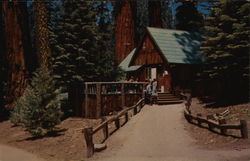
(169, 56)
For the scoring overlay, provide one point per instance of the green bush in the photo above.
(39, 109)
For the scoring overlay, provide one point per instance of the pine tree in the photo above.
(188, 18)
(226, 47)
(76, 47)
(106, 65)
(38, 110)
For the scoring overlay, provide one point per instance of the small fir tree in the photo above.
(38, 110)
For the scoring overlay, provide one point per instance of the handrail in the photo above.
(89, 132)
(221, 124)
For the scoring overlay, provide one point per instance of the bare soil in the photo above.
(179, 136)
(211, 140)
(68, 145)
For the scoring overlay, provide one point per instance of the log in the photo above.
(89, 141)
(244, 131)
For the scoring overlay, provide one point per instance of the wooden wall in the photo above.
(147, 54)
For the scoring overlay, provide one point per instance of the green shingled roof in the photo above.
(177, 46)
(125, 63)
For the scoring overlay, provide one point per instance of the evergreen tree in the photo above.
(188, 18)
(76, 47)
(106, 64)
(38, 110)
(226, 48)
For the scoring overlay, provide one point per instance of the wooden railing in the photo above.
(220, 124)
(89, 132)
(126, 94)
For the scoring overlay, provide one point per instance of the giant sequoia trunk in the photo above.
(125, 29)
(42, 32)
(154, 12)
(16, 45)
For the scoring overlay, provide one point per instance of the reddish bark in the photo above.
(125, 30)
(16, 41)
(42, 32)
(154, 12)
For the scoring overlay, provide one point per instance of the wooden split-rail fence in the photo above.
(104, 126)
(97, 99)
(220, 124)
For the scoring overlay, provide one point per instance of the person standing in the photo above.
(148, 93)
(154, 87)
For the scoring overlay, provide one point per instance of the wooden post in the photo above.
(89, 141)
(222, 130)
(198, 116)
(86, 101)
(209, 125)
(98, 101)
(123, 95)
(117, 123)
(126, 116)
(135, 110)
(105, 129)
(243, 130)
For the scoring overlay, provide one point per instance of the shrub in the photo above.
(39, 109)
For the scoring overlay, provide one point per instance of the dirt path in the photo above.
(157, 134)
(8, 153)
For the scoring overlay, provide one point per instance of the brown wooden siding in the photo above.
(124, 33)
(147, 54)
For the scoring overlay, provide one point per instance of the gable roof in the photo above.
(125, 63)
(177, 46)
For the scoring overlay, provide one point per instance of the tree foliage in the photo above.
(188, 18)
(82, 49)
(226, 48)
(39, 109)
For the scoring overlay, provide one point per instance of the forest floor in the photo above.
(69, 144)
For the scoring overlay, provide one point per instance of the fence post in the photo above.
(105, 129)
(117, 123)
(126, 116)
(86, 101)
(123, 95)
(135, 110)
(222, 130)
(198, 119)
(243, 130)
(89, 141)
(98, 101)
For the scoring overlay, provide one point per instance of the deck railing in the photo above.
(96, 99)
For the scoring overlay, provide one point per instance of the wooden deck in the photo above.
(96, 99)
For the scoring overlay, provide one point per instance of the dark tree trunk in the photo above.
(125, 30)
(17, 50)
(42, 32)
(154, 13)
